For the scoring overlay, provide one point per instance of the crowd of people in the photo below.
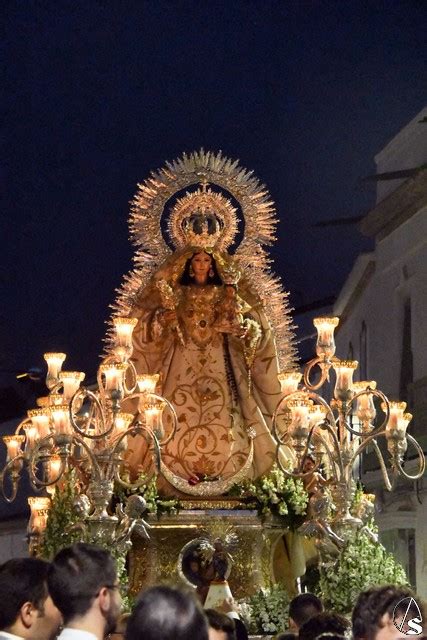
(77, 597)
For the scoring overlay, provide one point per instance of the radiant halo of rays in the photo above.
(260, 222)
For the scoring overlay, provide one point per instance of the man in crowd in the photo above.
(302, 608)
(231, 610)
(26, 608)
(327, 625)
(221, 626)
(167, 613)
(387, 613)
(83, 584)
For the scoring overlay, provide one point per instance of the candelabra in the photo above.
(328, 439)
(85, 429)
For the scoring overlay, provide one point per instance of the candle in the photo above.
(299, 414)
(124, 328)
(114, 374)
(54, 364)
(41, 419)
(39, 513)
(365, 407)
(396, 414)
(289, 381)
(325, 345)
(147, 383)
(61, 419)
(71, 382)
(32, 436)
(153, 418)
(344, 370)
(13, 445)
(121, 424)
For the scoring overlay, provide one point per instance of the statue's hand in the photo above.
(231, 328)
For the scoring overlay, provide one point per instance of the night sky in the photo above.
(96, 94)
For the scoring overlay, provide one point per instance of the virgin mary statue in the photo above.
(209, 321)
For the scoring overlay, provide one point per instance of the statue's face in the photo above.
(201, 263)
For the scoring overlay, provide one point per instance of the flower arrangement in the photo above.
(276, 494)
(363, 562)
(267, 610)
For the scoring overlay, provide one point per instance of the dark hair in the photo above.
(373, 604)
(324, 623)
(76, 575)
(186, 279)
(21, 580)
(167, 613)
(221, 622)
(287, 635)
(303, 607)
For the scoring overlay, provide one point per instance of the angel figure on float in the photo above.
(208, 321)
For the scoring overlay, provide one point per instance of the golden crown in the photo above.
(203, 218)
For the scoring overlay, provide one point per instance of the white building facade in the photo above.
(383, 325)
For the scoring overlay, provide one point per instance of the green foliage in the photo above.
(276, 494)
(267, 610)
(61, 519)
(61, 531)
(362, 563)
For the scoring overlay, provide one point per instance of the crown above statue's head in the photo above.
(203, 218)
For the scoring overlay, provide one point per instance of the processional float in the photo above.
(224, 415)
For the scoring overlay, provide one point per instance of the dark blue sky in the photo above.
(96, 94)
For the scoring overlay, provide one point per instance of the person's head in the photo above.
(287, 635)
(201, 266)
(167, 613)
(221, 627)
(302, 608)
(326, 624)
(26, 608)
(83, 584)
(377, 609)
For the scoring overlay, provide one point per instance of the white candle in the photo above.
(289, 381)
(147, 382)
(60, 418)
(41, 419)
(71, 382)
(325, 345)
(13, 445)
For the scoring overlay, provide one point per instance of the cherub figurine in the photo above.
(318, 504)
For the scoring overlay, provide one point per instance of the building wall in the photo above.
(400, 273)
(407, 150)
(390, 342)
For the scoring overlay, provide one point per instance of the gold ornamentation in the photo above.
(251, 258)
(203, 219)
(157, 561)
(209, 488)
(232, 503)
